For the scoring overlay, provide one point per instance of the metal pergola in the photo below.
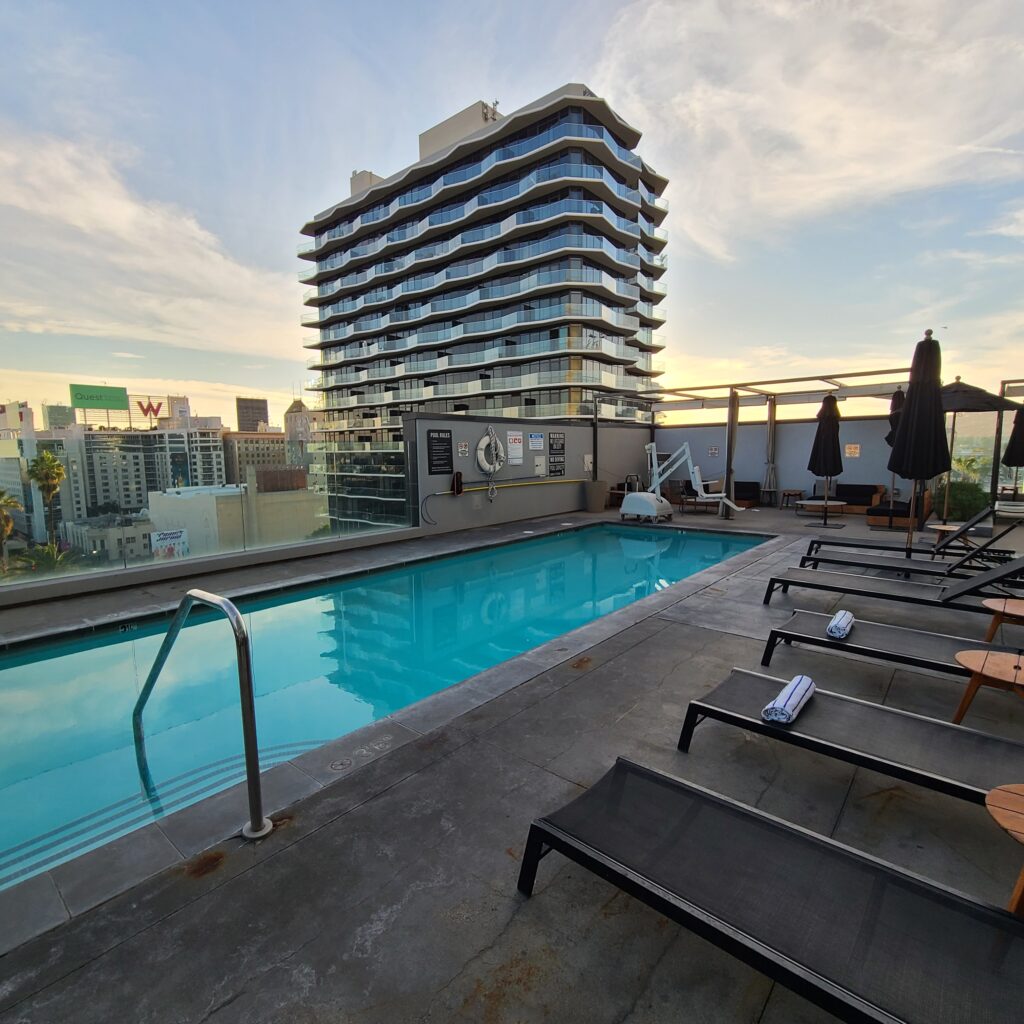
(771, 394)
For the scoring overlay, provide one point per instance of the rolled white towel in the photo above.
(795, 694)
(841, 624)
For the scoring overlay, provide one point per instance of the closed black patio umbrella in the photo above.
(826, 459)
(1014, 453)
(961, 397)
(895, 411)
(920, 450)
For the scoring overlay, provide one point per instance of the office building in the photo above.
(258, 449)
(251, 412)
(513, 271)
(57, 417)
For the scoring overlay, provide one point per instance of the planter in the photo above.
(596, 495)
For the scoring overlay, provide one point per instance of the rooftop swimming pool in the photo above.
(327, 660)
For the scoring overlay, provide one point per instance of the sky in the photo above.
(843, 175)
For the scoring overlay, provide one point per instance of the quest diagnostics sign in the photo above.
(96, 396)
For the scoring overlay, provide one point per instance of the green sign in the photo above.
(95, 396)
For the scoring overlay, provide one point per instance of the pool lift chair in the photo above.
(650, 504)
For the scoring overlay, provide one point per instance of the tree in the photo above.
(966, 467)
(47, 559)
(8, 504)
(46, 471)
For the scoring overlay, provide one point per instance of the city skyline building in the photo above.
(250, 413)
(258, 449)
(513, 271)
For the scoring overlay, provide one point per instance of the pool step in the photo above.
(107, 823)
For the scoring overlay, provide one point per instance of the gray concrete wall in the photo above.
(524, 491)
(792, 450)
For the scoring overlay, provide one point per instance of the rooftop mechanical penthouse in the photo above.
(513, 271)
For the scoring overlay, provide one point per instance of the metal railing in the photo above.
(258, 825)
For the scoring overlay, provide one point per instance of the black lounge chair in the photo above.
(948, 758)
(949, 544)
(945, 568)
(860, 938)
(962, 595)
(898, 644)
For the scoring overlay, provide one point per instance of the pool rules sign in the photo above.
(439, 452)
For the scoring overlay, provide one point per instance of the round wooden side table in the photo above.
(1003, 609)
(1006, 805)
(988, 668)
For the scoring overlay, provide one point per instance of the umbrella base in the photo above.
(826, 526)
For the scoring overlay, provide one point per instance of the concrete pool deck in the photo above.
(389, 893)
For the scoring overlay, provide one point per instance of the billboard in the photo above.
(168, 544)
(98, 396)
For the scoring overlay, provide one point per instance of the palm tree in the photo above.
(8, 504)
(46, 471)
(46, 560)
(966, 467)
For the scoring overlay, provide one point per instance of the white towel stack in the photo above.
(789, 703)
(840, 626)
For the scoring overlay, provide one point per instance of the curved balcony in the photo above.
(495, 355)
(565, 241)
(467, 389)
(445, 302)
(565, 171)
(551, 313)
(458, 177)
(652, 287)
(479, 232)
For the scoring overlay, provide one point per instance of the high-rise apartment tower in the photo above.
(513, 271)
(251, 412)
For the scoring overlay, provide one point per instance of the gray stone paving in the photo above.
(389, 893)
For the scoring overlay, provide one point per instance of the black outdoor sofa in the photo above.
(897, 644)
(962, 595)
(948, 758)
(861, 938)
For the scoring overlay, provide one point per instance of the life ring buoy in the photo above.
(490, 455)
(493, 608)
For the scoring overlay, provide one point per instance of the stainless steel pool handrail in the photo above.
(258, 825)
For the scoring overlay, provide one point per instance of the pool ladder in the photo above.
(258, 825)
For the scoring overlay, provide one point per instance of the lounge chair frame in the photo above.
(789, 633)
(705, 707)
(938, 547)
(959, 568)
(545, 837)
(984, 584)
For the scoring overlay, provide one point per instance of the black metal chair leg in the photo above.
(531, 858)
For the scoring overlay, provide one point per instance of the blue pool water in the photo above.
(327, 660)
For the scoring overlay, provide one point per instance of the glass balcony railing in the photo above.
(423, 192)
(494, 229)
(436, 335)
(469, 388)
(447, 301)
(605, 345)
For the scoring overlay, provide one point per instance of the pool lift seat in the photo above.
(650, 504)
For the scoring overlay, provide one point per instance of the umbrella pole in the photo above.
(910, 519)
(892, 498)
(949, 472)
(825, 520)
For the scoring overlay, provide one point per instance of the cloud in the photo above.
(126, 355)
(775, 111)
(1012, 226)
(83, 255)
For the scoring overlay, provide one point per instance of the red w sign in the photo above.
(149, 409)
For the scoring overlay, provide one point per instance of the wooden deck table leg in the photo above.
(972, 688)
(997, 621)
(1016, 904)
